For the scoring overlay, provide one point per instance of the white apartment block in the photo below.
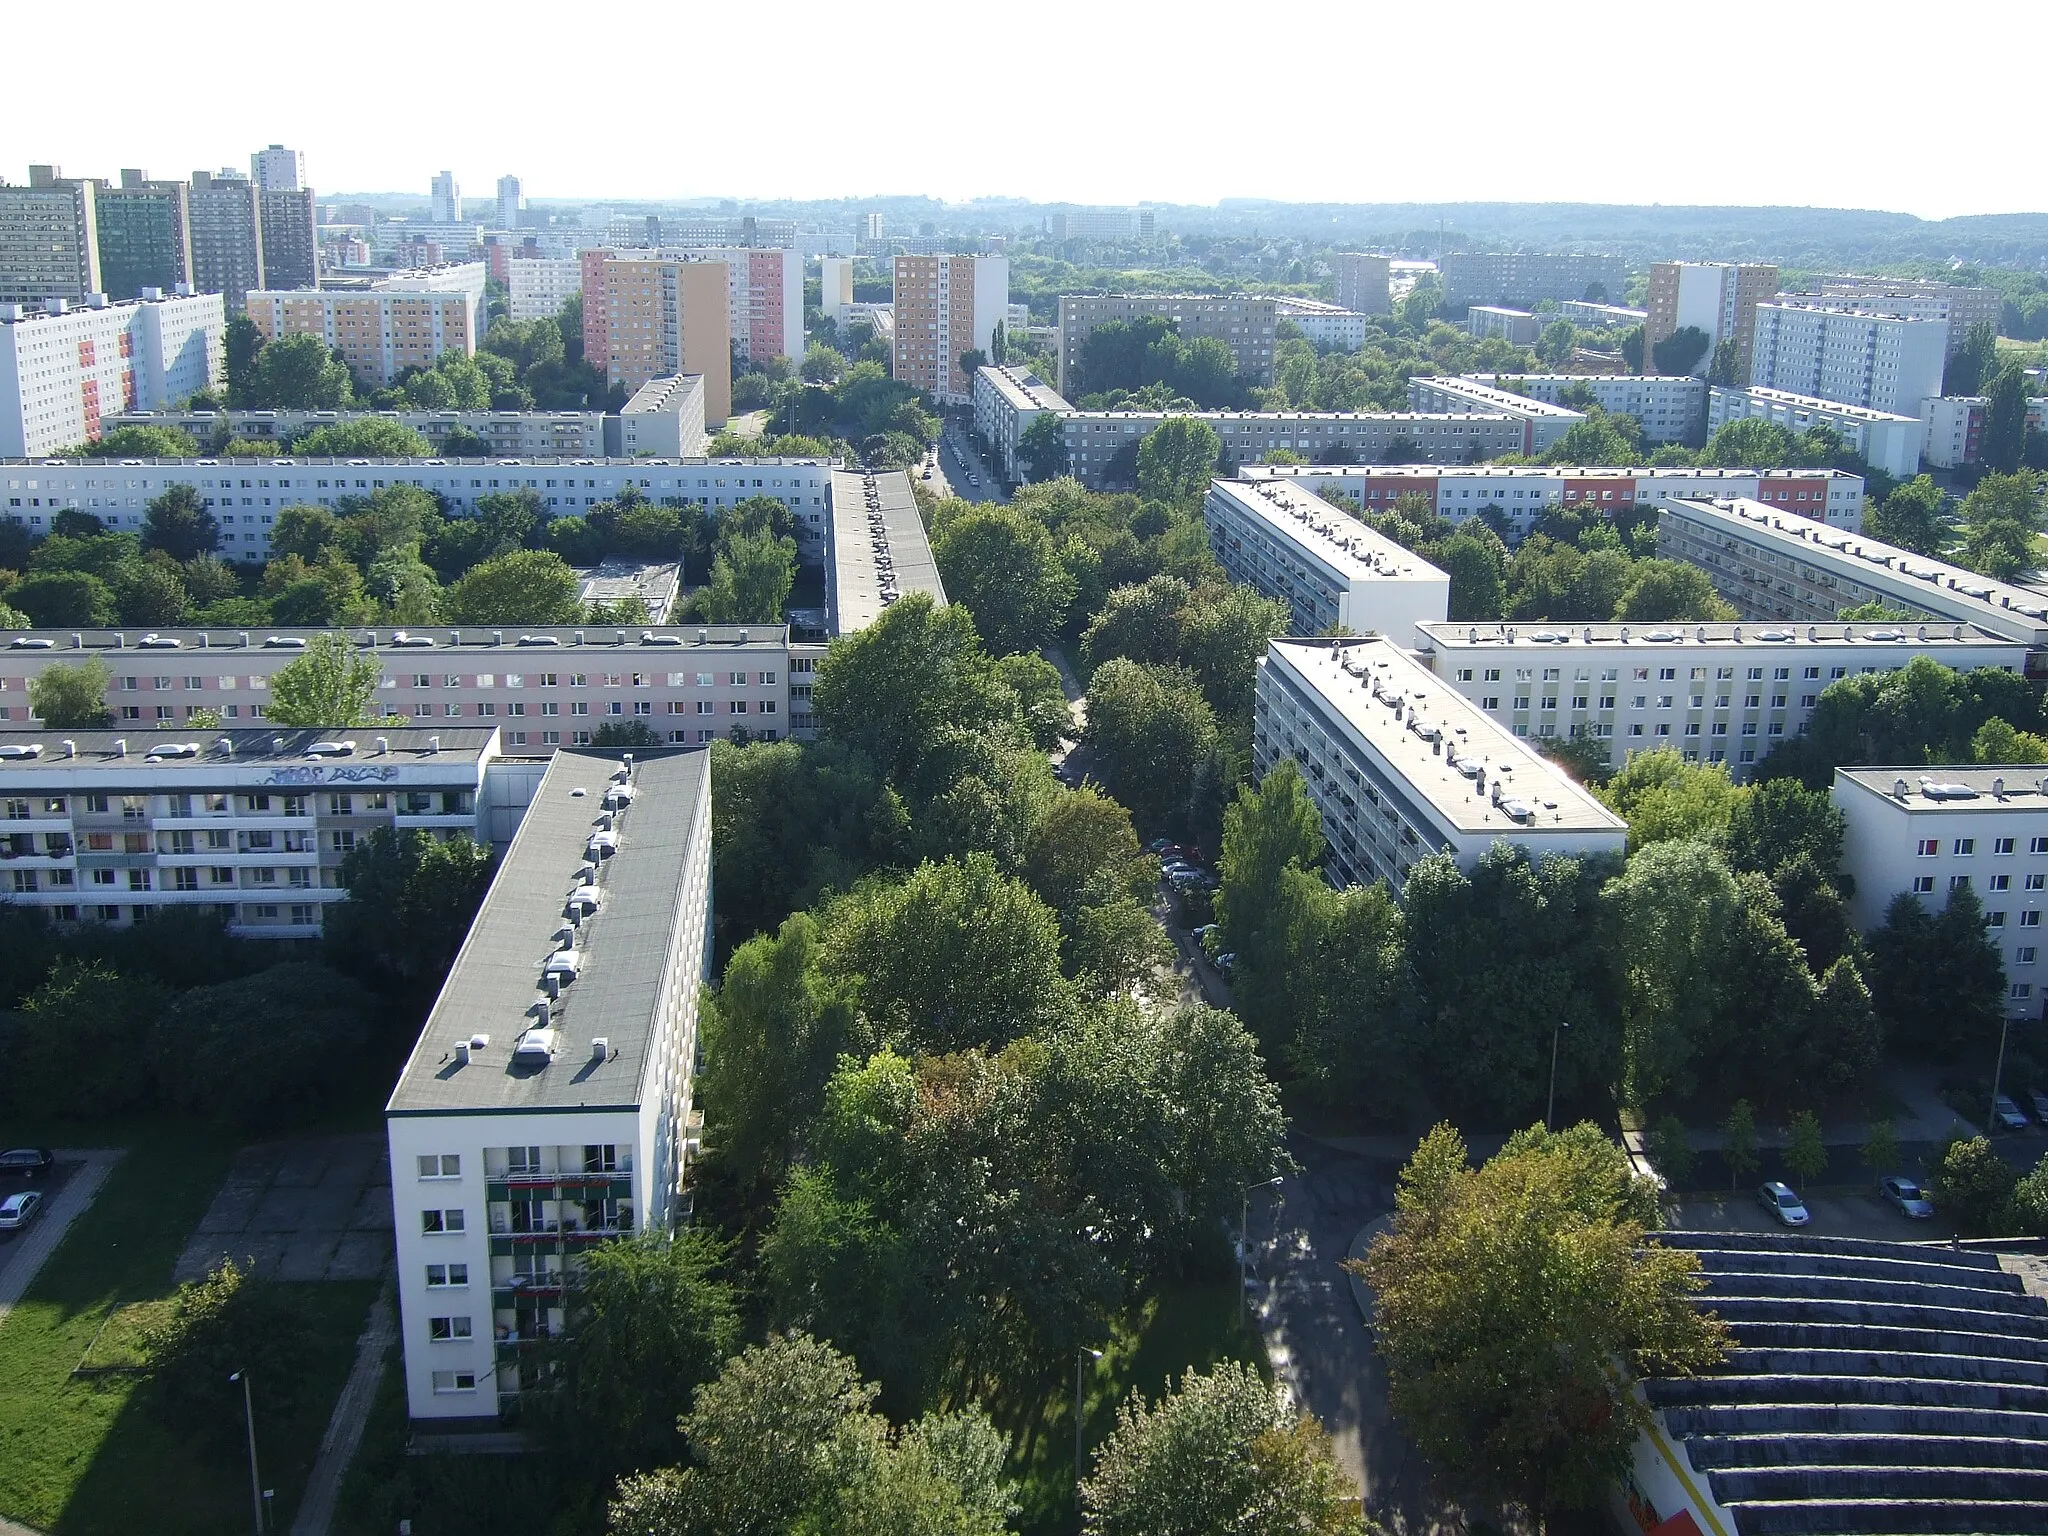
(1325, 325)
(1364, 282)
(664, 419)
(112, 826)
(1095, 438)
(1601, 316)
(1007, 401)
(1854, 357)
(547, 1105)
(1889, 442)
(1093, 224)
(1541, 422)
(1717, 693)
(1669, 409)
(1526, 277)
(1243, 323)
(1515, 326)
(1778, 566)
(512, 434)
(1327, 566)
(446, 199)
(64, 370)
(1403, 768)
(1927, 831)
(835, 287)
(277, 169)
(945, 307)
(1521, 493)
(541, 285)
(875, 554)
(1955, 428)
(1916, 298)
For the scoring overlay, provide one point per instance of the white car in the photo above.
(17, 1211)
(1782, 1203)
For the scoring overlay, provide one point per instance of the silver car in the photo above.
(1907, 1197)
(1782, 1203)
(17, 1211)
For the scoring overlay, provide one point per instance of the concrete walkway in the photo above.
(48, 1231)
(351, 1413)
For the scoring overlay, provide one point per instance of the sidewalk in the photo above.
(351, 1414)
(42, 1240)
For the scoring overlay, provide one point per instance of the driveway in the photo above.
(66, 1193)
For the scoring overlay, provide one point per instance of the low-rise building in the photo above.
(1601, 316)
(654, 584)
(1517, 326)
(1887, 441)
(1007, 401)
(1403, 768)
(1541, 422)
(540, 285)
(252, 823)
(664, 419)
(546, 1107)
(514, 434)
(1669, 409)
(1095, 439)
(1326, 325)
(1716, 693)
(1929, 831)
(65, 370)
(1955, 428)
(1327, 566)
(1242, 322)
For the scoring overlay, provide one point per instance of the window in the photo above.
(522, 1162)
(448, 1330)
(441, 1165)
(1965, 847)
(2031, 919)
(1923, 885)
(1994, 919)
(1928, 847)
(2036, 882)
(2038, 845)
(2020, 989)
(2023, 955)
(441, 1221)
(454, 1381)
(2001, 882)
(440, 1275)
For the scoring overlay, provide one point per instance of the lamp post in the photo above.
(1081, 1358)
(1550, 1106)
(255, 1481)
(1244, 1240)
(1997, 1073)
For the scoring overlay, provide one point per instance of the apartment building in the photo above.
(277, 169)
(1403, 768)
(1325, 325)
(1243, 323)
(1777, 566)
(1364, 282)
(1601, 316)
(664, 419)
(765, 286)
(1890, 442)
(510, 434)
(1521, 493)
(875, 552)
(145, 234)
(1527, 277)
(291, 243)
(1669, 409)
(49, 238)
(1853, 357)
(540, 285)
(1092, 224)
(408, 320)
(112, 827)
(1717, 297)
(445, 199)
(1717, 693)
(1955, 428)
(546, 1107)
(944, 307)
(1515, 326)
(1928, 831)
(835, 287)
(511, 202)
(1540, 422)
(226, 218)
(656, 316)
(1330, 568)
(1102, 445)
(1007, 401)
(64, 370)
(1912, 298)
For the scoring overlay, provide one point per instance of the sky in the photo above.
(1799, 102)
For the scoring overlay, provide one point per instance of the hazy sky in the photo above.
(1930, 110)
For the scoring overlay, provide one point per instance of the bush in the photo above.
(76, 1046)
(212, 1328)
(2030, 1202)
(1974, 1186)
(1669, 1151)
(259, 1047)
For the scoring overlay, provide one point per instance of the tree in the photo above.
(1880, 1146)
(648, 1319)
(1910, 517)
(1043, 448)
(1937, 980)
(410, 900)
(141, 443)
(2002, 446)
(1002, 564)
(375, 437)
(1806, 1153)
(54, 599)
(2001, 519)
(212, 1330)
(1218, 1452)
(528, 586)
(1546, 1242)
(972, 361)
(1670, 1150)
(1974, 1186)
(1477, 567)
(295, 373)
(822, 364)
(1177, 459)
(1670, 590)
(628, 734)
(1681, 351)
(751, 579)
(1974, 360)
(1148, 728)
(179, 524)
(1738, 1142)
(1664, 798)
(331, 684)
(1271, 828)
(1596, 440)
(151, 593)
(1726, 368)
(243, 345)
(258, 1048)
(72, 698)
(2029, 1203)
(1997, 742)
(76, 1046)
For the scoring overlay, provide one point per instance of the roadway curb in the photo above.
(1361, 1293)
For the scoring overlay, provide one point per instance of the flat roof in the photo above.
(1365, 682)
(1812, 403)
(879, 549)
(1907, 636)
(1526, 471)
(1356, 551)
(1228, 417)
(662, 394)
(1955, 786)
(247, 747)
(494, 985)
(1023, 390)
(1491, 379)
(493, 461)
(541, 640)
(1506, 399)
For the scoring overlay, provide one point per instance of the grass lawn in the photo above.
(89, 1455)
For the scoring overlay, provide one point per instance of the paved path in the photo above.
(351, 1413)
(41, 1240)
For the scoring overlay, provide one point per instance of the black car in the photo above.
(26, 1162)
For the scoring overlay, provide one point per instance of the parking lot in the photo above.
(1846, 1210)
(49, 1186)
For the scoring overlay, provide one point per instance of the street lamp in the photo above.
(1244, 1240)
(1081, 1358)
(255, 1481)
(1997, 1072)
(1550, 1107)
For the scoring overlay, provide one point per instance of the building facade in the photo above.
(145, 235)
(655, 316)
(1102, 446)
(1363, 282)
(547, 1105)
(1007, 401)
(945, 307)
(1515, 326)
(664, 419)
(1930, 831)
(1717, 297)
(1601, 316)
(227, 236)
(445, 199)
(277, 169)
(1913, 298)
(540, 285)
(1526, 277)
(1325, 325)
(1242, 322)
(411, 320)
(1669, 409)
(1889, 442)
(63, 371)
(509, 434)
(1853, 357)
(1539, 423)
(49, 239)
(1402, 768)
(835, 287)
(1955, 427)
(511, 202)
(291, 243)
(107, 827)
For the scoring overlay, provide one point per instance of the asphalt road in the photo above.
(957, 460)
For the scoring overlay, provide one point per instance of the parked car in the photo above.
(1782, 1203)
(1164, 846)
(1174, 869)
(1201, 935)
(2040, 1103)
(1908, 1197)
(26, 1162)
(17, 1211)
(1227, 964)
(2007, 1114)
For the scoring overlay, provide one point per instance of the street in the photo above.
(958, 461)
